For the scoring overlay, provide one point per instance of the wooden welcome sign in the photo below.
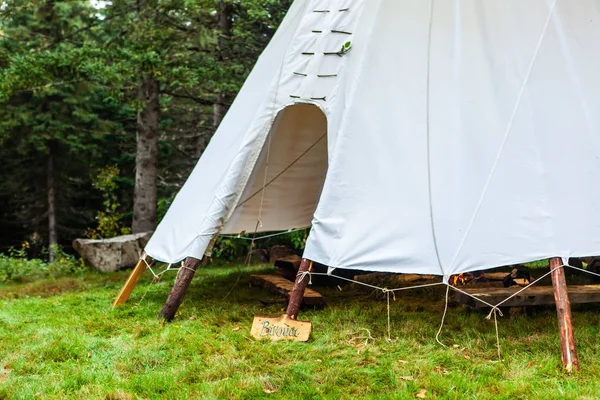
(281, 328)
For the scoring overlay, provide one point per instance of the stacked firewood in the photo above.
(518, 275)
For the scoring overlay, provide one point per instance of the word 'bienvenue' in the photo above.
(279, 331)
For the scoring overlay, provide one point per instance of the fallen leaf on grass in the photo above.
(193, 317)
(455, 346)
(440, 370)
(237, 328)
(403, 361)
(422, 394)
(407, 378)
(467, 357)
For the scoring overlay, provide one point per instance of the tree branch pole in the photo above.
(563, 310)
(182, 283)
(299, 287)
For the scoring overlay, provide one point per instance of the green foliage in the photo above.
(16, 267)
(110, 219)
(69, 74)
(298, 239)
(50, 108)
(230, 249)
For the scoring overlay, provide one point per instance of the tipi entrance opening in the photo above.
(286, 181)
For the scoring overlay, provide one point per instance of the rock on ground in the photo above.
(112, 254)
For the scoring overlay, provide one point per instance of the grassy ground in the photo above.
(60, 339)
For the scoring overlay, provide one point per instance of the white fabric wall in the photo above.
(483, 143)
(462, 135)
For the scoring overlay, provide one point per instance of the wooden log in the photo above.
(375, 278)
(565, 323)
(288, 266)
(289, 262)
(284, 287)
(131, 282)
(298, 292)
(494, 276)
(532, 296)
(182, 283)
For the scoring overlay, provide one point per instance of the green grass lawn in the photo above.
(61, 339)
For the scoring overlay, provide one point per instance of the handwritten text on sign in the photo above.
(280, 328)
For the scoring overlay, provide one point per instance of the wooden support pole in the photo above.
(299, 287)
(182, 283)
(131, 283)
(565, 323)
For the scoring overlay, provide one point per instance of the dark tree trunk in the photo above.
(146, 159)
(219, 110)
(224, 27)
(299, 287)
(184, 277)
(52, 235)
(565, 323)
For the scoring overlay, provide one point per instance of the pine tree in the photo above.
(49, 128)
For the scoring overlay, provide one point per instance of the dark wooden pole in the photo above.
(184, 277)
(565, 323)
(299, 288)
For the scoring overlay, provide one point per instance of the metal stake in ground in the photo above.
(563, 309)
(182, 282)
(299, 287)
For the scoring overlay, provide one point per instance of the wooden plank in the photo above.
(292, 262)
(288, 266)
(284, 287)
(131, 283)
(281, 328)
(494, 276)
(375, 278)
(563, 311)
(533, 296)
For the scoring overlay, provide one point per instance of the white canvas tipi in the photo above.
(421, 136)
